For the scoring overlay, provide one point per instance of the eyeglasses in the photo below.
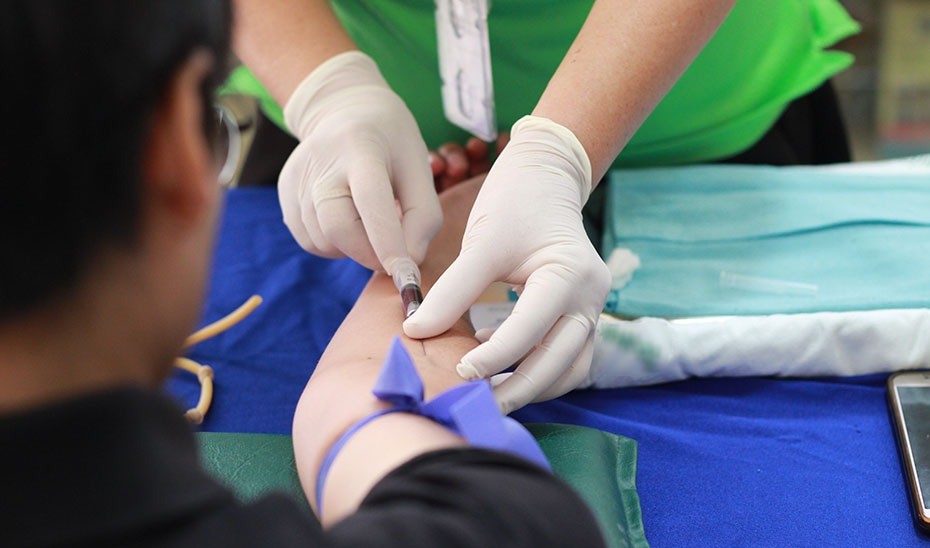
(227, 145)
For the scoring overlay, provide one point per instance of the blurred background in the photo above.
(885, 96)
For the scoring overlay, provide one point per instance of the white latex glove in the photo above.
(525, 229)
(360, 149)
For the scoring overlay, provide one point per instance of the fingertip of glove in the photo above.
(412, 328)
(417, 329)
(467, 371)
(505, 406)
(484, 334)
(515, 393)
(496, 380)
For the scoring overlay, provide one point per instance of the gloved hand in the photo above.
(360, 149)
(525, 229)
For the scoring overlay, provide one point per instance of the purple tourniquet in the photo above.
(468, 409)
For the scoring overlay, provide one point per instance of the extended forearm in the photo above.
(627, 56)
(339, 393)
(284, 40)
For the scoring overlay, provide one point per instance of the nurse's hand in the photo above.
(525, 229)
(360, 150)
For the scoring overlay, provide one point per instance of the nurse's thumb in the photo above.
(450, 297)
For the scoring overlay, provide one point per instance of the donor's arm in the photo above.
(404, 479)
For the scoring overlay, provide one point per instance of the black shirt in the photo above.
(121, 469)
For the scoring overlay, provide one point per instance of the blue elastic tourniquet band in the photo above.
(468, 409)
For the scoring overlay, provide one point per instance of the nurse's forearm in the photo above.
(282, 41)
(627, 56)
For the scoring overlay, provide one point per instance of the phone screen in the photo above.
(915, 406)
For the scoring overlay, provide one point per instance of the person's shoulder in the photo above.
(271, 521)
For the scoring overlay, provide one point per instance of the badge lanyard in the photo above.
(465, 66)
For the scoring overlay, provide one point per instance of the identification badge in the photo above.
(465, 66)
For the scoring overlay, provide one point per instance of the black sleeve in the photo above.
(469, 497)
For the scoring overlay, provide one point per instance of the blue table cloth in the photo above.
(727, 462)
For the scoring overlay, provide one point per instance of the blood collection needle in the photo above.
(407, 280)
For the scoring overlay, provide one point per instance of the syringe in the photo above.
(407, 280)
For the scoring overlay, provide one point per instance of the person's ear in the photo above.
(177, 158)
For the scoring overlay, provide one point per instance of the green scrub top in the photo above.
(766, 54)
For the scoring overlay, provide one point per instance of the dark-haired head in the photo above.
(108, 192)
(82, 82)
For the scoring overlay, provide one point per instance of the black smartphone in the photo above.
(909, 401)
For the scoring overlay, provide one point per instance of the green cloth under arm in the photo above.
(766, 54)
(599, 465)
